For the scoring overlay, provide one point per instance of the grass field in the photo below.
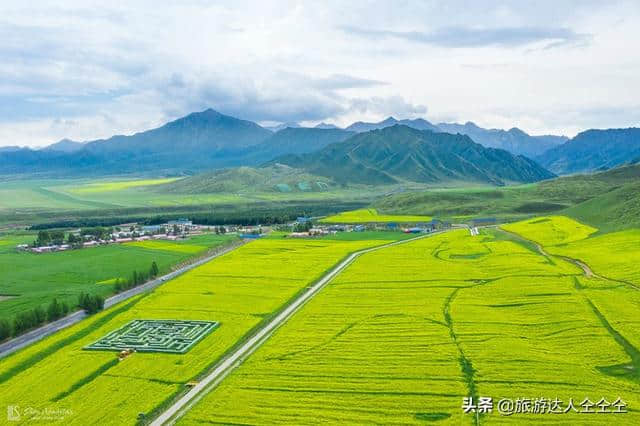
(35, 279)
(238, 290)
(118, 185)
(372, 216)
(405, 333)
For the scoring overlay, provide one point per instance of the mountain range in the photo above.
(594, 150)
(403, 154)
(513, 140)
(210, 140)
(65, 145)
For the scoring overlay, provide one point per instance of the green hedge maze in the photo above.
(171, 336)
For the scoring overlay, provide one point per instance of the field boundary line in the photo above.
(19, 342)
(235, 358)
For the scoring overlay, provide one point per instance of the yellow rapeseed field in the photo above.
(405, 333)
(551, 230)
(372, 216)
(238, 290)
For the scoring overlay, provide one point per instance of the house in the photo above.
(358, 228)
(318, 231)
(303, 219)
(414, 230)
(298, 235)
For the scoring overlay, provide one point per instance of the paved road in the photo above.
(33, 336)
(236, 358)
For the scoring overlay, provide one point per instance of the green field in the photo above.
(372, 216)
(405, 333)
(239, 290)
(608, 200)
(29, 279)
(37, 201)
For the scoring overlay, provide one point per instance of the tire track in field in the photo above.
(632, 368)
(178, 405)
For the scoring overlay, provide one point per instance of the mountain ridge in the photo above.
(401, 153)
(594, 149)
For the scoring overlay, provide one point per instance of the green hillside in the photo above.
(276, 178)
(403, 154)
(608, 200)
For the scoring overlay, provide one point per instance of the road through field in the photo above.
(236, 358)
(33, 336)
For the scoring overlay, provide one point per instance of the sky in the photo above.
(86, 70)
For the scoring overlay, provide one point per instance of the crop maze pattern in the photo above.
(172, 336)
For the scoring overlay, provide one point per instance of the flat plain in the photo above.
(405, 333)
(36, 279)
(238, 290)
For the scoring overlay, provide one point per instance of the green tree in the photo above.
(57, 237)
(154, 269)
(39, 314)
(44, 238)
(5, 329)
(64, 307)
(54, 311)
(90, 304)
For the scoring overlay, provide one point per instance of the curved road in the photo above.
(33, 336)
(236, 358)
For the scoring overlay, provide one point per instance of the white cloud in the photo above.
(88, 69)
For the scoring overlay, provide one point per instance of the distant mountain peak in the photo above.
(324, 125)
(400, 153)
(417, 123)
(594, 149)
(65, 145)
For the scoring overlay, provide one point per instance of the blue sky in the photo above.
(86, 70)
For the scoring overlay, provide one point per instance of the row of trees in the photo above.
(57, 237)
(90, 303)
(220, 230)
(25, 321)
(303, 226)
(46, 238)
(137, 278)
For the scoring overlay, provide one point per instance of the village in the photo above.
(183, 228)
(55, 241)
(304, 227)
